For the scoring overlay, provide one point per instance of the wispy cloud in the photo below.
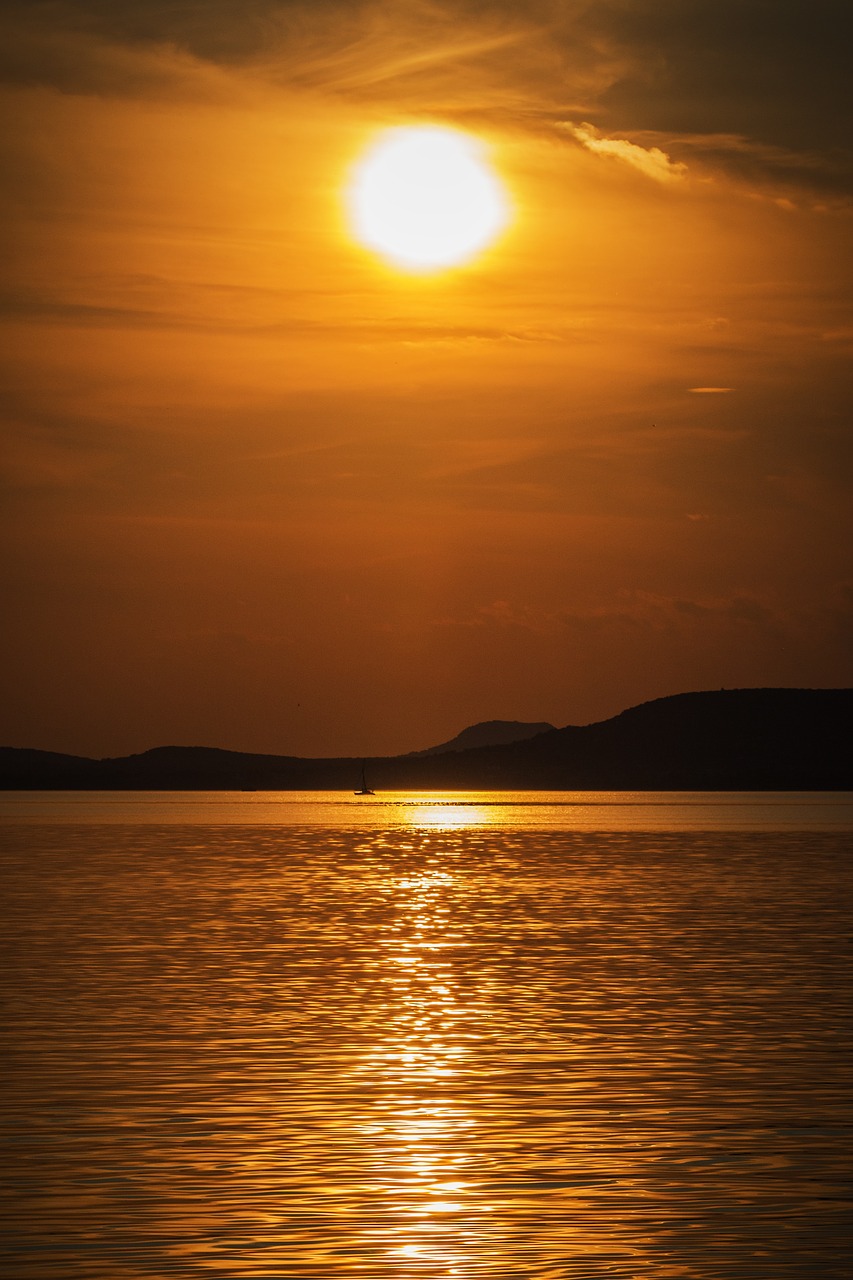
(706, 83)
(651, 161)
(640, 610)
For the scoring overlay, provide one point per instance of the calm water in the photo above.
(262, 1036)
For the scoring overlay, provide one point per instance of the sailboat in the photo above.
(365, 790)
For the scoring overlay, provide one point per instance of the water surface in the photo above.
(543, 810)
(428, 1046)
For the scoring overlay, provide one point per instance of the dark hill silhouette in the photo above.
(488, 733)
(728, 739)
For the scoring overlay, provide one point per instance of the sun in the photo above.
(425, 198)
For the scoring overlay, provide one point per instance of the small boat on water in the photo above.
(364, 790)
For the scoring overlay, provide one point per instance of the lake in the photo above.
(505, 1035)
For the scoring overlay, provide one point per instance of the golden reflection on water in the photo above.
(268, 1054)
(448, 816)
(426, 1134)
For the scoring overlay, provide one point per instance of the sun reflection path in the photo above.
(447, 815)
(424, 1136)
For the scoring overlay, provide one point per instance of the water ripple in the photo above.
(271, 1054)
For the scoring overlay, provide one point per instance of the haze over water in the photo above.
(497, 1035)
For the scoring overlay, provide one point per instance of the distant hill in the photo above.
(727, 739)
(489, 733)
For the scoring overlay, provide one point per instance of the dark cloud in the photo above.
(760, 88)
(75, 61)
(756, 86)
(219, 30)
(773, 70)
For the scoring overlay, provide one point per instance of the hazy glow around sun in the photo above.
(425, 198)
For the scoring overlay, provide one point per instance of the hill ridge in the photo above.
(488, 733)
(726, 739)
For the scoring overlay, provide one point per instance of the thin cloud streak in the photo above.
(650, 161)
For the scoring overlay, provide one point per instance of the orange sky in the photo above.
(263, 491)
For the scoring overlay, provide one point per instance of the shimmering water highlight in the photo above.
(425, 1051)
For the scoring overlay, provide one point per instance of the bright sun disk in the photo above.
(424, 198)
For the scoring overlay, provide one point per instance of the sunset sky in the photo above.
(265, 490)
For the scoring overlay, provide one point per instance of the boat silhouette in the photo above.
(364, 790)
